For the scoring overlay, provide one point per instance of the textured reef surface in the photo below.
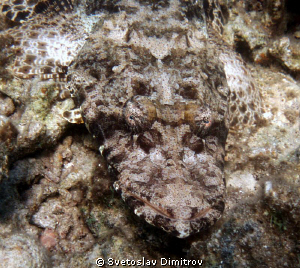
(188, 133)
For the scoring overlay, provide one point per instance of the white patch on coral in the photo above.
(139, 178)
(157, 157)
(189, 157)
(268, 186)
(245, 181)
(269, 190)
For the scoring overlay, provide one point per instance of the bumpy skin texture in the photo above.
(157, 86)
(22, 10)
(156, 94)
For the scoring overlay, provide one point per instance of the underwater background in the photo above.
(58, 207)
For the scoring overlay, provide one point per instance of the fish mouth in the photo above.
(178, 206)
(180, 221)
(168, 211)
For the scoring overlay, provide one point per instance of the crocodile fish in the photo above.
(157, 86)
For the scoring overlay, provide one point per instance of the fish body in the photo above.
(159, 88)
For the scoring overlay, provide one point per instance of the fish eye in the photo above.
(199, 118)
(139, 112)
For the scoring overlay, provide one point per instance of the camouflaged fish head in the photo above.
(160, 91)
(159, 105)
(164, 132)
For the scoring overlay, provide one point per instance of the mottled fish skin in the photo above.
(47, 39)
(22, 10)
(160, 89)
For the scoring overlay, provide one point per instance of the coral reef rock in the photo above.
(196, 142)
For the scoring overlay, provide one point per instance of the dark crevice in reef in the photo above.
(293, 15)
(93, 6)
(243, 48)
(158, 239)
(9, 200)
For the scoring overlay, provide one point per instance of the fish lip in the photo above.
(168, 215)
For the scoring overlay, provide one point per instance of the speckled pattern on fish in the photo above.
(159, 88)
